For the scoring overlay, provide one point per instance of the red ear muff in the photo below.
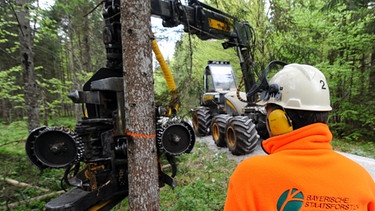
(279, 122)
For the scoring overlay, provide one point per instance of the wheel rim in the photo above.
(215, 132)
(231, 137)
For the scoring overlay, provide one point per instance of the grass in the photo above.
(202, 175)
(361, 148)
(12, 137)
(17, 167)
(203, 178)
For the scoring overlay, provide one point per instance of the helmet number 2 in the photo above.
(323, 84)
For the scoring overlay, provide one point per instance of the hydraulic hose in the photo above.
(175, 102)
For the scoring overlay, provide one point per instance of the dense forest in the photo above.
(47, 53)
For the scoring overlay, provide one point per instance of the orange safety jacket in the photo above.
(301, 172)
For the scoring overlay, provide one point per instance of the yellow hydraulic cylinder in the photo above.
(175, 103)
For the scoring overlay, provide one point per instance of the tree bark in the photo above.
(27, 62)
(4, 113)
(139, 105)
(372, 72)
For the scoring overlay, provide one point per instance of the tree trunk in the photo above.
(372, 72)
(139, 105)
(87, 65)
(27, 62)
(74, 71)
(4, 113)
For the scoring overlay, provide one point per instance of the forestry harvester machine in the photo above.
(231, 116)
(94, 155)
(222, 100)
(225, 112)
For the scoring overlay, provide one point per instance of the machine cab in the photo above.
(219, 76)
(219, 80)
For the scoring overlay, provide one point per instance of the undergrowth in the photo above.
(361, 148)
(202, 174)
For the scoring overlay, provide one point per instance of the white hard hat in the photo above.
(300, 87)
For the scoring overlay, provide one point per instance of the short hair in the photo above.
(301, 118)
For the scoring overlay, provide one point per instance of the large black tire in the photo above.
(218, 129)
(241, 135)
(202, 121)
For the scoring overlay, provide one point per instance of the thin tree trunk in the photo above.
(139, 105)
(74, 70)
(372, 72)
(86, 46)
(22, 184)
(27, 61)
(4, 113)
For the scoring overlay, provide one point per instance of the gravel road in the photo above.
(367, 163)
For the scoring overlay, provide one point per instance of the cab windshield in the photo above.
(223, 78)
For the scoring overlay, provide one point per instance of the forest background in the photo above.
(335, 36)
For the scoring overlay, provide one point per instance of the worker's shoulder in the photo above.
(357, 164)
(256, 167)
(256, 161)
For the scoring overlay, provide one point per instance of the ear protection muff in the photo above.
(279, 123)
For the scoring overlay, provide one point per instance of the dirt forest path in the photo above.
(367, 163)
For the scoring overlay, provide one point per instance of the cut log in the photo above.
(22, 184)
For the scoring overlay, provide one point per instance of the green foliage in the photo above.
(5, 33)
(66, 122)
(335, 39)
(364, 148)
(356, 122)
(203, 177)
(160, 85)
(16, 166)
(59, 90)
(9, 89)
(12, 137)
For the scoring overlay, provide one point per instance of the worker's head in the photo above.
(298, 95)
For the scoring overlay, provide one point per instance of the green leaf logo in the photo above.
(290, 200)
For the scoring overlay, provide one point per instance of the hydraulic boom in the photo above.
(207, 22)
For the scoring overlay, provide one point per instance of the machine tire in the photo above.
(241, 135)
(218, 129)
(202, 121)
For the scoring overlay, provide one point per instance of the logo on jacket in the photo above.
(290, 200)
